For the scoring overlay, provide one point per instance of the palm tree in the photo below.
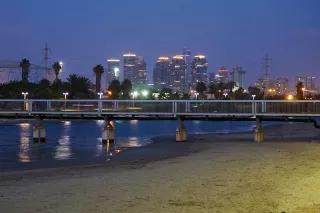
(98, 71)
(57, 69)
(25, 68)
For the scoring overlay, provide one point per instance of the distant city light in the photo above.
(290, 97)
(61, 63)
(145, 93)
(134, 94)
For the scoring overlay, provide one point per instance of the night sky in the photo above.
(83, 33)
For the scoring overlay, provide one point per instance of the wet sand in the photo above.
(213, 173)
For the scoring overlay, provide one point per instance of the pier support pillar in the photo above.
(108, 133)
(39, 132)
(181, 131)
(258, 133)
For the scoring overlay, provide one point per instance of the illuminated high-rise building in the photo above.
(141, 76)
(199, 70)
(188, 61)
(222, 75)
(134, 68)
(238, 76)
(113, 70)
(161, 73)
(282, 86)
(178, 74)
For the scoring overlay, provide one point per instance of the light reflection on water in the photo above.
(63, 151)
(81, 140)
(24, 145)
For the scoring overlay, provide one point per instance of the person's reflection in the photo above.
(111, 150)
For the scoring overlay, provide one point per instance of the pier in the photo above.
(180, 110)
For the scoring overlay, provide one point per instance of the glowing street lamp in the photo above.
(25, 106)
(100, 95)
(65, 95)
(290, 97)
(145, 93)
(225, 95)
(196, 94)
(65, 99)
(253, 97)
(24, 95)
(134, 95)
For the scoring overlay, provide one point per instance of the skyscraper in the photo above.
(134, 68)
(161, 73)
(238, 76)
(282, 86)
(222, 75)
(188, 61)
(141, 76)
(199, 70)
(178, 74)
(113, 70)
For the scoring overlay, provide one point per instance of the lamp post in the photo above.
(65, 99)
(225, 95)
(145, 93)
(25, 105)
(134, 95)
(99, 103)
(100, 95)
(253, 97)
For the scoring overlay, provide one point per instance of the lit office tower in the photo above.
(178, 74)
(282, 86)
(113, 70)
(199, 70)
(129, 66)
(238, 76)
(161, 73)
(141, 76)
(222, 75)
(309, 82)
(188, 60)
(134, 68)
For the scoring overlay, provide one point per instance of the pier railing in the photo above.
(162, 107)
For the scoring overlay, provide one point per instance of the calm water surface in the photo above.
(80, 141)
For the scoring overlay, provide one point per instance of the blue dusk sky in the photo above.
(83, 33)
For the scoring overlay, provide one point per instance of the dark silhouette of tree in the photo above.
(126, 88)
(78, 87)
(299, 88)
(98, 71)
(239, 94)
(25, 69)
(56, 69)
(165, 93)
(185, 96)
(254, 90)
(115, 89)
(201, 88)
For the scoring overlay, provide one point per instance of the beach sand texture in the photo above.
(230, 173)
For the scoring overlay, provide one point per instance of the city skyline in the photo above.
(225, 32)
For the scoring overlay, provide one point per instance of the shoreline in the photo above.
(164, 147)
(224, 173)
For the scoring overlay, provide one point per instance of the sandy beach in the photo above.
(215, 173)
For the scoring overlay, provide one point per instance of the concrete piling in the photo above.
(258, 133)
(39, 133)
(108, 133)
(181, 131)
